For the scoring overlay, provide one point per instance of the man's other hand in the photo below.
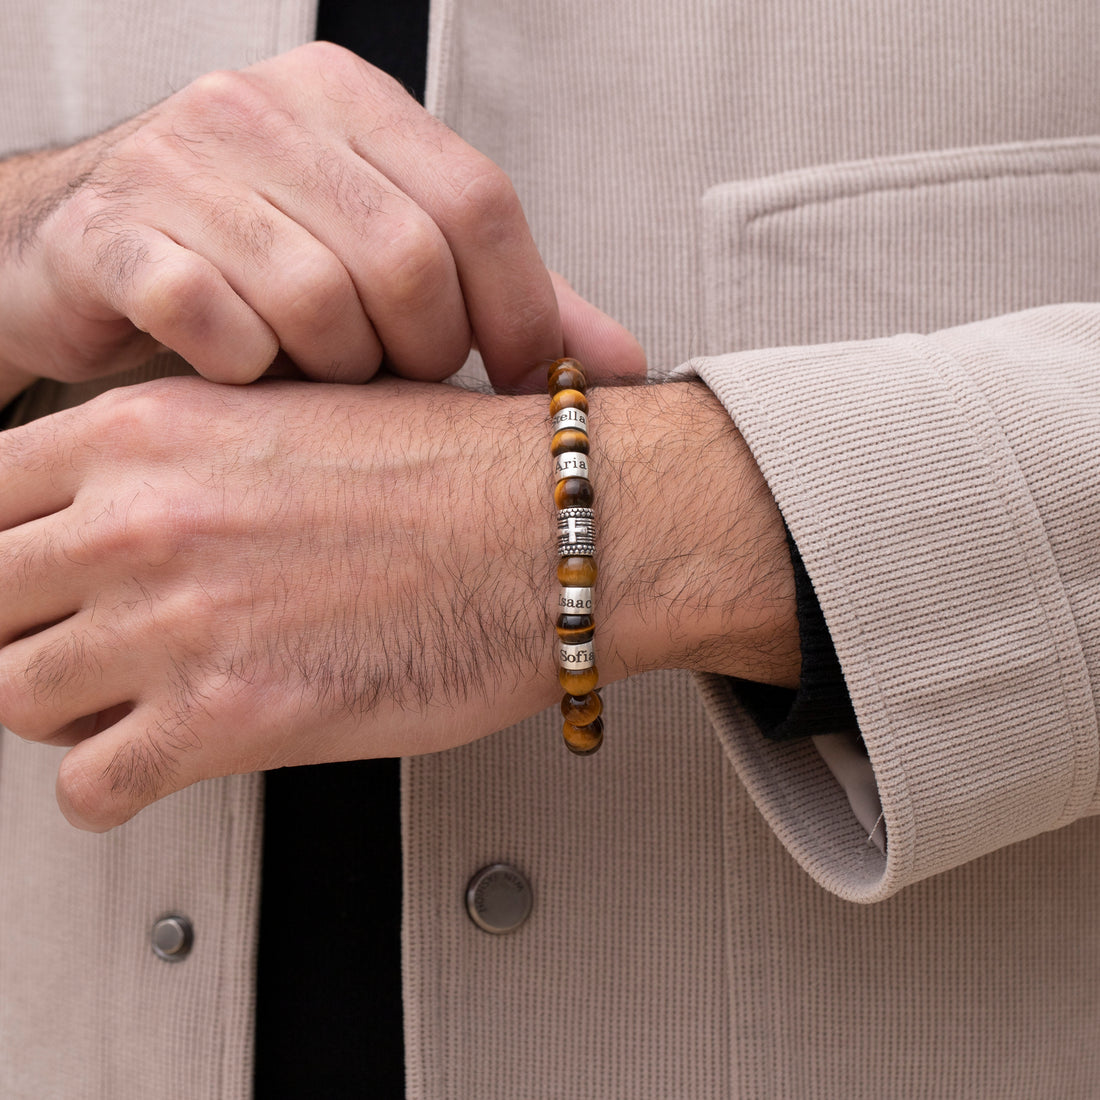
(306, 205)
(198, 580)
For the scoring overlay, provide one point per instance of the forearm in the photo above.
(694, 567)
(374, 575)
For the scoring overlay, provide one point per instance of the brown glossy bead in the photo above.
(575, 629)
(569, 439)
(578, 682)
(577, 571)
(582, 710)
(568, 375)
(574, 492)
(568, 399)
(583, 740)
(566, 361)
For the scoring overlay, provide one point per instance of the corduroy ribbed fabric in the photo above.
(86, 1008)
(930, 502)
(78, 67)
(675, 947)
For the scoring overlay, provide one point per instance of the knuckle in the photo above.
(327, 56)
(56, 668)
(224, 94)
(85, 795)
(341, 71)
(317, 298)
(244, 109)
(16, 713)
(132, 419)
(147, 531)
(175, 298)
(485, 202)
(110, 242)
(121, 404)
(140, 525)
(416, 262)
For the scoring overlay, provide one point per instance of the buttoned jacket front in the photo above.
(771, 196)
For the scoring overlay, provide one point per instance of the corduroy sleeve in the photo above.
(941, 491)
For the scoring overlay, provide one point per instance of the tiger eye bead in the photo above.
(580, 682)
(565, 361)
(583, 740)
(576, 571)
(575, 629)
(582, 711)
(569, 439)
(567, 375)
(568, 399)
(573, 492)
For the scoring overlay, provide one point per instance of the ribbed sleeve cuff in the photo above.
(923, 513)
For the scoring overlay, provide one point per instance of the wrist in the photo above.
(694, 567)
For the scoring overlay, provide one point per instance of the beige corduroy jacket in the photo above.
(774, 196)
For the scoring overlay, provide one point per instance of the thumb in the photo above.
(609, 353)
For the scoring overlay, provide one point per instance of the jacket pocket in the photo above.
(911, 243)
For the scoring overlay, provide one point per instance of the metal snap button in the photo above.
(499, 898)
(172, 938)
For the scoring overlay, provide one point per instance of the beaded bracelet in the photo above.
(573, 496)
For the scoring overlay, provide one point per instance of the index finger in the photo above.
(507, 289)
(509, 294)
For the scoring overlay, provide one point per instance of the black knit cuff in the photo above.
(821, 703)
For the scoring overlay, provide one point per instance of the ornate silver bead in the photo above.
(576, 531)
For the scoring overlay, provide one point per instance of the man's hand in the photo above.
(306, 204)
(197, 580)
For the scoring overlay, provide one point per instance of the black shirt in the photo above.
(328, 998)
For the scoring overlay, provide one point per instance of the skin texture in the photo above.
(306, 205)
(197, 580)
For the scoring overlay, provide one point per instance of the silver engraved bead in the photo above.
(575, 601)
(576, 527)
(570, 418)
(571, 464)
(576, 657)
